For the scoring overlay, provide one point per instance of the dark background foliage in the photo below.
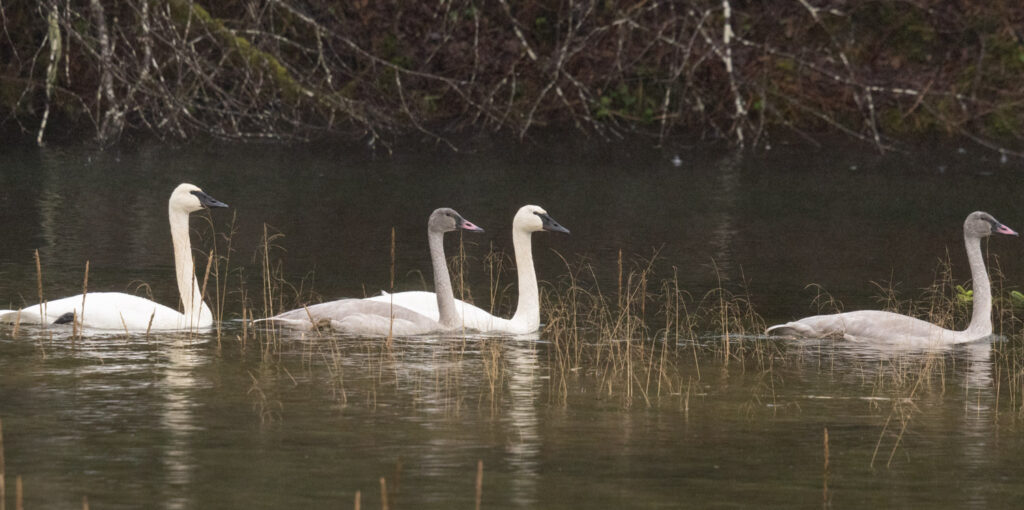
(741, 71)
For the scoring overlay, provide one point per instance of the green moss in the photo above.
(634, 103)
(182, 10)
(1004, 122)
(10, 94)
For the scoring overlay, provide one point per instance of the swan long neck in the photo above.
(981, 319)
(442, 281)
(528, 309)
(184, 267)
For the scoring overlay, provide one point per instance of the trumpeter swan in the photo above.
(119, 311)
(529, 219)
(888, 327)
(365, 317)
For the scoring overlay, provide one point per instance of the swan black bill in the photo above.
(551, 225)
(207, 200)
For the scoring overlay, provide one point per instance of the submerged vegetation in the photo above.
(746, 72)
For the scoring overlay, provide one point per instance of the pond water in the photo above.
(250, 418)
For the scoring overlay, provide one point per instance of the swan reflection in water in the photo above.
(523, 447)
(179, 421)
(927, 379)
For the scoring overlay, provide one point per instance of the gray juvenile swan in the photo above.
(888, 327)
(529, 219)
(365, 317)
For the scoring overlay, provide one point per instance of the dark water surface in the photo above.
(179, 421)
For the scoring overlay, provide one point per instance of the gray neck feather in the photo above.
(442, 281)
(981, 319)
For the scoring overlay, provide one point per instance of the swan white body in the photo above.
(528, 219)
(888, 327)
(371, 318)
(125, 312)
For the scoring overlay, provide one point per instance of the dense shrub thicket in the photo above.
(742, 71)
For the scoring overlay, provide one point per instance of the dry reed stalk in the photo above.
(39, 286)
(825, 475)
(336, 369)
(19, 495)
(222, 290)
(496, 263)
(479, 482)
(620, 278)
(3, 470)
(391, 293)
(722, 315)
(202, 293)
(383, 494)
(272, 293)
(391, 273)
(460, 272)
(85, 502)
(245, 328)
(358, 503)
(267, 293)
(85, 291)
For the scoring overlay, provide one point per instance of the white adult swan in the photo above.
(528, 220)
(364, 317)
(888, 327)
(119, 311)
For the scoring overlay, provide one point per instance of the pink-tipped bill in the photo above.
(1003, 229)
(468, 225)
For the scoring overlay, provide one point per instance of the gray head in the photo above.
(982, 224)
(447, 220)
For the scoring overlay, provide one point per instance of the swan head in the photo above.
(447, 220)
(982, 224)
(188, 198)
(532, 218)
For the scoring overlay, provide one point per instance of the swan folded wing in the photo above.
(421, 302)
(359, 317)
(105, 310)
(869, 326)
(472, 317)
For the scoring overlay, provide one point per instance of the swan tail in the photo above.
(791, 330)
(819, 326)
(303, 324)
(21, 316)
(801, 329)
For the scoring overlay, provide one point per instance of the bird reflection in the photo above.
(723, 230)
(178, 419)
(978, 427)
(523, 448)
